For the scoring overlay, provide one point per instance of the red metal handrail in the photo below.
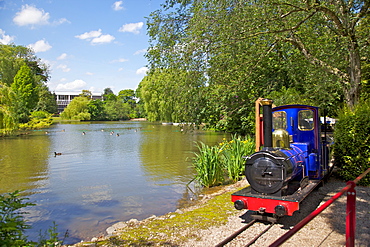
(350, 219)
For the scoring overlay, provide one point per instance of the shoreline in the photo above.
(327, 229)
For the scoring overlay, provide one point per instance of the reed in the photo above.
(208, 166)
(216, 164)
(232, 153)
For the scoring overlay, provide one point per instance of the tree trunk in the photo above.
(352, 91)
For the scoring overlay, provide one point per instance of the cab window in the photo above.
(305, 120)
(279, 120)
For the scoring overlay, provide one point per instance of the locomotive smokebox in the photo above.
(267, 123)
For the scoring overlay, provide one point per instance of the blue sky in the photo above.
(88, 44)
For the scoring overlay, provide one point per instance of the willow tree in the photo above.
(172, 95)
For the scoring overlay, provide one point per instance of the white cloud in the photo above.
(140, 51)
(142, 71)
(120, 60)
(89, 73)
(89, 35)
(106, 38)
(40, 46)
(5, 39)
(131, 27)
(117, 6)
(96, 37)
(62, 56)
(64, 67)
(30, 15)
(61, 21)
(70, 86)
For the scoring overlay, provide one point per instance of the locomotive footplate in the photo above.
(267, 203)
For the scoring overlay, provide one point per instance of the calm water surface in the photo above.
(101, 178)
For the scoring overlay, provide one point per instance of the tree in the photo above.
(47, 101)
(249, 49)
(78, 109)
(26, 93)
(108, 95)
(116, 110)
(97, 110)
(8, 120)
(22, 85)
(86, 93)
(172, 95)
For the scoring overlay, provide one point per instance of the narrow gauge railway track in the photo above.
(238, 232)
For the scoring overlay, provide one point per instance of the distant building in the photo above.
(64, 98)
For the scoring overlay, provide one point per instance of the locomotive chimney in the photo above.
(267, 122)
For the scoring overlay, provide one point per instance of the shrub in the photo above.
(38, 119)
(12, 224)
(352, 142)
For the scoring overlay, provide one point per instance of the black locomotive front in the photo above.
(268, 171)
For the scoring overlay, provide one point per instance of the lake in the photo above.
(107, 172)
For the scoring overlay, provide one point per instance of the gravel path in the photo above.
(327, 229)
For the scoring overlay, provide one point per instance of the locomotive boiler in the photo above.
(293, 161)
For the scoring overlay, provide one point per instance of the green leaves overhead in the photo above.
(252, 48)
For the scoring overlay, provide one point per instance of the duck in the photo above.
(117, 134)
(55, 153)
(83, 133)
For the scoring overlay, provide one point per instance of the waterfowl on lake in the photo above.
(83, 133)
(55, 153)
(117, 134)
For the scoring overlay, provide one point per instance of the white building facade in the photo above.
(64, 98)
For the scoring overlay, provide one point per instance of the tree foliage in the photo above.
(26, 93)
(242, 50)
(23, 87)
(112, 108)
(77, 110)
(352, 142)
(172, 95)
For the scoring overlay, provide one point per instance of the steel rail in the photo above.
(258, 236)
(235, 234)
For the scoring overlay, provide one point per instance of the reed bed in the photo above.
(222, 163)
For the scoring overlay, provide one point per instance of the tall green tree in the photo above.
(26, 93)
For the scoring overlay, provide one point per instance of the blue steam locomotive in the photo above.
(294, 159)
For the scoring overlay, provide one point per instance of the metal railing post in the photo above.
(351, 215)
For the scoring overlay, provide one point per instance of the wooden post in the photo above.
(258, 124)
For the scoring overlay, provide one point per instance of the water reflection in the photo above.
(15, 152)
(100, 177)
